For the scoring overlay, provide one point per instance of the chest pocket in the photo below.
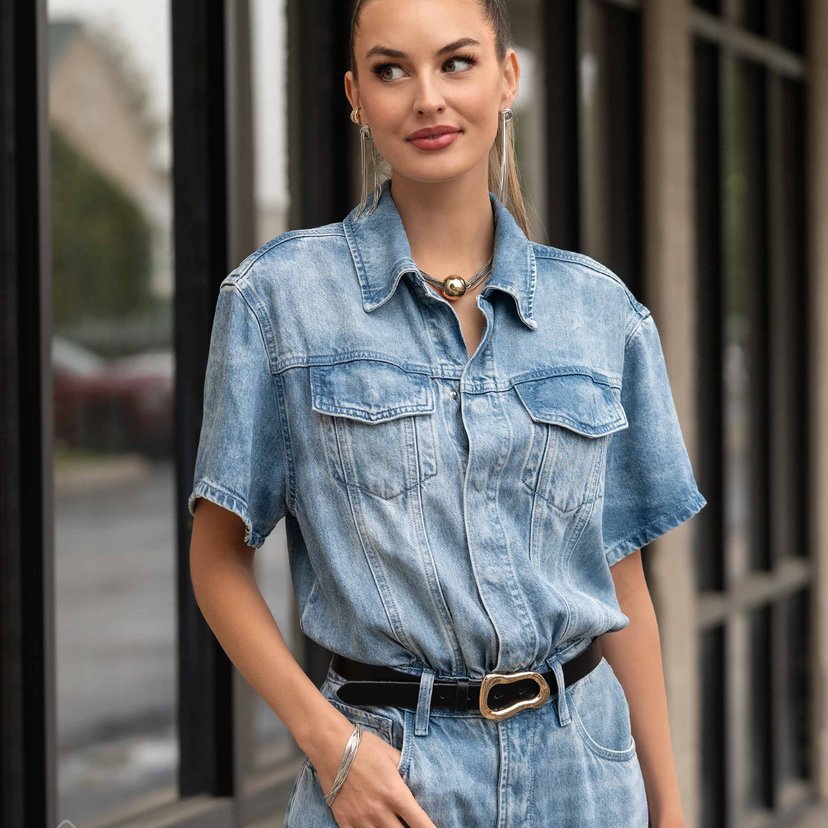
(573, 416)
(377, 425)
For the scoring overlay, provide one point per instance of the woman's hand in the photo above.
(373, 793)
(224, 581)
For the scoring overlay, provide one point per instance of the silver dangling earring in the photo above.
(505, 123)
(364, 139)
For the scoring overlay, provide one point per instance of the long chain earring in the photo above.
(365, 138)
(505, 124)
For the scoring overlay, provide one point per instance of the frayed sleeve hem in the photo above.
(215, 494)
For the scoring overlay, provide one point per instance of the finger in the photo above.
(390, 820)
(412, 815)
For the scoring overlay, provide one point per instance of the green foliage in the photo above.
(101, 242)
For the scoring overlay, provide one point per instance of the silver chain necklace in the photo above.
(454, 286)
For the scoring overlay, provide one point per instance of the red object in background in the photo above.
(113, 405)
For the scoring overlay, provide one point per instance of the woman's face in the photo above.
(428, 85)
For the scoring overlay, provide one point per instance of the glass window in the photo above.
(530, 112)
(112, 287)
(754, 573)
(744, 291)
(611, 140)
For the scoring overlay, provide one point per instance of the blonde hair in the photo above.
(497, 15)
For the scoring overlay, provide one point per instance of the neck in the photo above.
(450, 227)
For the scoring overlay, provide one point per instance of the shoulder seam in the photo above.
(240, 290)
(243, 268)
(544, 251)
(637, 327)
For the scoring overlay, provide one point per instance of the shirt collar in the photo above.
(381, 252)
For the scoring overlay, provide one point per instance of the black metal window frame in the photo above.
(753, 624)
(584, 208)
(27, 715)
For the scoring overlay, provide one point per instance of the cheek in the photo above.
(386, 116)
(484, 130)
(480, 112)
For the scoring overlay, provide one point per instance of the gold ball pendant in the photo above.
(454, 287)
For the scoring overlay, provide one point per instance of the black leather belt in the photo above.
(371, 684)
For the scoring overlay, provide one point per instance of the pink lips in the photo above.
(434, 138)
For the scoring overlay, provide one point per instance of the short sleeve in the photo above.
(240, 462)
(650, 487)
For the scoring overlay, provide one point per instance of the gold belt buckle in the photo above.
(491, 679)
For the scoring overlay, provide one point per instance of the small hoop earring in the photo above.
(365, 138)
(505, 124)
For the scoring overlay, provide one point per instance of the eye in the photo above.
(380, 68)
(470, 59)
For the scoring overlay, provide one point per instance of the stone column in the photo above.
(669, 273)
(816, 90)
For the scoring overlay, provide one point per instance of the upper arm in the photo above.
(216, 530)
(628, 577)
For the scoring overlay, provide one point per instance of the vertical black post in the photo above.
(27, 714)
(320, 132)
(560, 21)
(205, 707)
(319, 127)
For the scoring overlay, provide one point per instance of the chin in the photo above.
(433, 171)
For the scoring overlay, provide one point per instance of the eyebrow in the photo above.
(396, 53)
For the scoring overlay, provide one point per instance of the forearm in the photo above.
(233, 606)
(635, 656)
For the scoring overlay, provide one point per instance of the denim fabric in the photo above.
(447, 513)
(537, 769)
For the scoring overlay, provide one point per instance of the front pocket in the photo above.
(573, 417)
(377, 424)
(389, 723)
(601, 714)
(381, 725)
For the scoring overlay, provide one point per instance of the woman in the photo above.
(470, 435)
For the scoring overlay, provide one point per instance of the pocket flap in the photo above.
(576, 401)
(369, 390)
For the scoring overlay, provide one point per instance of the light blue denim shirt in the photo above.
(441, 511)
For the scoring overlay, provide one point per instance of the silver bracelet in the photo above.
(345, 763)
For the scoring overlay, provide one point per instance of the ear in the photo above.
(351, 89)
(511, 77)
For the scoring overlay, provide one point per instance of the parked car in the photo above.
(113, 405)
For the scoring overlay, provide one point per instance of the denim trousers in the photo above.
(571, 764)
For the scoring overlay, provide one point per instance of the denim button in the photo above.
(453, 393)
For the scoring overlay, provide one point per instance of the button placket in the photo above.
(497, 579)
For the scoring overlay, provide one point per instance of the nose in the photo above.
(429, 98)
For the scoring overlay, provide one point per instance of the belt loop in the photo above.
(461, 702)
(563, 707)
(424, 702)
